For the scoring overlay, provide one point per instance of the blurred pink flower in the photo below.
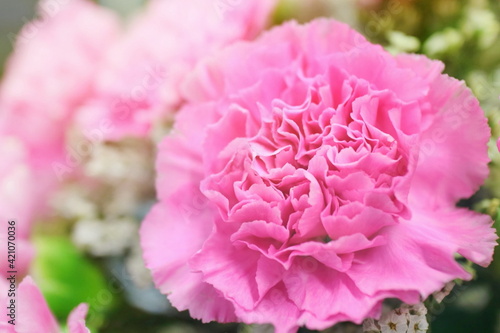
(50, 74)
(32, 313)
(17, 203)
(141, 80)
(47, 77)
(310, 176)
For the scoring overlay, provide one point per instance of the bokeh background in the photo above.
(462, 33)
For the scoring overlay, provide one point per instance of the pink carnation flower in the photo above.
(141, 80)
(313, 175)
(32, 314)
(47, 77)
(18, 204)
(50, 74)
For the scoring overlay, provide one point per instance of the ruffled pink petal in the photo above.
(468, 233)
(33, 314)
(76, 319)
(275, 308)
(337, 254)
(455, 133)
(167, 251)
(304, 283)
(410, 261)
(354, 218)
(221, 265)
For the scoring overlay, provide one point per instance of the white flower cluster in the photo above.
(405, 319)
(108, 200)
(104, 238)
(479, 24)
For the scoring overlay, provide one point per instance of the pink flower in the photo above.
(50, 74)
(313, 175)
(18, 204)
(32, 313)
(47, 77)
(140, 82)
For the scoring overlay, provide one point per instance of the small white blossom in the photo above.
(405, 319)
(393, 323)
(104, 238)
(72, 202)
(418, 324)
(129, 161)
(139, 274)
(123, 200)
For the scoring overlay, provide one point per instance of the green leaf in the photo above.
(67, 278)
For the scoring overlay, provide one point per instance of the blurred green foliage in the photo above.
(67, 278)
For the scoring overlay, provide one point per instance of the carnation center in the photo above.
(317, 171)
